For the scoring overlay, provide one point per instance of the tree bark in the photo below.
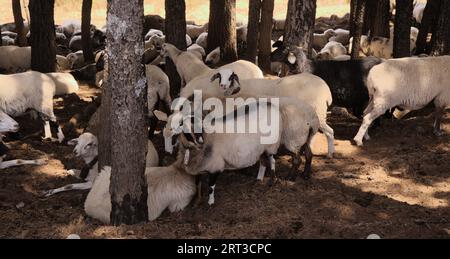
(127, 85)
(402, 28)
(254, 17)
(265, 37)
(222, 29)
(18, 20)
(88, 53)
(441, 45)
(175, 26)
(42, 29)
(300, 21)
(379, 22)
(357, 28)
(429, 22)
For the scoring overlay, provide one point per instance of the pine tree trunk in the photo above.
(175, 26)
(265, 37)
(42, 29)
(379, 23)
(127, 85)
(429, 22)
(402, 28)
(358, 24)
(441, 45)
(222, 29)
(86, 31)
(254, 17)
(18, 20)
(300, 21)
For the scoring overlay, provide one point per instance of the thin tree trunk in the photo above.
(402, 28)
(127, 85)
(300, 21)
(222, 29)
(356, 34)
(254, 17)
(441, 45)
(88, 53)
(18, 20)
(42, 28)
(265, 37)
(175, 26)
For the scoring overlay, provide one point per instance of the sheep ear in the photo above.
(73, 142)
(214, 77)
(162, 116)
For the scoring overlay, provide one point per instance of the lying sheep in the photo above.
(331, 50)
(321, 39)
(15, 59)
(202, 40)
(213, 58)
(30, 90)
(65, 83)
(194, 31)
(409, 83)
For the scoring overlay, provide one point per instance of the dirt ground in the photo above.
(397, 186)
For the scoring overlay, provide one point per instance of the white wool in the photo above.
(65, 83)
(15, 59)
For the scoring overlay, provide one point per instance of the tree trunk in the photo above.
(265, 38)
(402, 28)
(42, 29)
(222, 29)
(175, 26)
(357, 28)
(88, 53)
(254, 17)
(18, 20)
(379, 22)
(441, 45)
(429, 21)
(300, 21)
(127, 85)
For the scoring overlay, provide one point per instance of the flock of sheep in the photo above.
(367, 87)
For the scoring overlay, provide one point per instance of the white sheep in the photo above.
(86, 147)
(213, 58)
(409, 83)
(321, 39)
(15, 59)
(194, 31)
(65, 83)
(331, 50)
(29, 90)
(202, 40)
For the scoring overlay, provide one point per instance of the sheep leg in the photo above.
(367, 121)
(19, 162)
(329, 133)
(308, 160)
(69, 187)
(437, 121)
(212, 178)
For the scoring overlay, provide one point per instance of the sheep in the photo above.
(305, 87)
(86, 147)
(331, 50)
(168, 187)
(213, 58)
(15, 59)
(409, 83)
(8, 124)
(30, 90)
(320, 40)
(190, 68)
(346, 79)
(152, 32)
(194, 31)
(76, 59)
(65, 83)
(202, 40)
(197, 48)
(342, 36)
